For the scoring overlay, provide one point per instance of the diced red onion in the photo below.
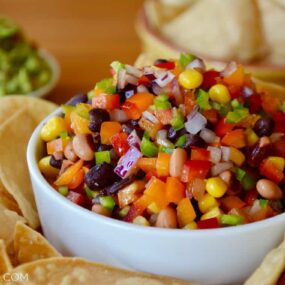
(176, 92)
(118, 115)
(127, 164)
(133, 70)
(131, 79)
(195, 123)
(142, 89)
(221, 167)
(215, 153)
(164, 79)
(197, 64)
(133, 139)
(229, 69)
(208, 136)
(122, 78)
(226, 151)
(149, 116)
(157, 90)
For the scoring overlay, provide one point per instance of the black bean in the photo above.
(160, 60)
(264, 127)
(117, 186)
(56, 163)
(131, 125)
(128, 91)
(97, 117)
(173, 135)
(193, 140)
(103, 147)
(100, 176)
(81, 98)
(256, 154)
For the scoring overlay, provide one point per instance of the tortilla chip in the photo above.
(74, 271)
(273, 17)
(222, 30)
(38, 108)
(144, 59)
(30, 245)
(7, 201)
(14, 137)
(5, 264)
(8, 220)
(270, 269)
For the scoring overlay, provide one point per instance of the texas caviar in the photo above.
(171, 145)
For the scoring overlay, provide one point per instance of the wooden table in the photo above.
(84, 35)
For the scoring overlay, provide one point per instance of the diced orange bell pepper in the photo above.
(164, 116)
(77, 179)
(232, 202)
(108, 102)
(108, 129)
(79, 124)
(156, 192)
(131, 110)
(236, 78)
(175, 190)
(147, 164)
(271, 171)
(66, 177)
(57, 145)
(185, 212)
(189, 101)
(162, 164)
(142, 100)
(150, 127)
(199, 154)
(235, 138)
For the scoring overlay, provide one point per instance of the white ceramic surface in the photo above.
(217, 256)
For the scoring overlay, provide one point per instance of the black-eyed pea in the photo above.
(268, 189)
(166, 218)
(82, 146)
(177, 160)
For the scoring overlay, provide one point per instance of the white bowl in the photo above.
(216, 256)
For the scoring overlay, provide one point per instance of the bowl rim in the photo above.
(180, 233)
(144, 23)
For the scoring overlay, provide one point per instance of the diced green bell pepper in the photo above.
(148, 148)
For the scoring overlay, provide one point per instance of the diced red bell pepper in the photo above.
(250, 197)
(108, 102)
(166, 65)
(254, 103)
(211, 115)
(164, 116)
(279, 119)
(75, 197)
(235, 138)
(223, 127)
(209, 79)
(195, 169)
(235, 91)
(270, 171)
(131, 110)
(120, 143)
(200, 154)
(211, 223)
(143, 80)
(279, 147)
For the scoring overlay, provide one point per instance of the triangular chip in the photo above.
(270, 269)
(8, 220)
(5, 264)
(273, 18)
(14, 175)
(29, 245)
(218, 29)
(74, 271)
(7, 201)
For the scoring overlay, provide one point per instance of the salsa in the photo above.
(171, 145)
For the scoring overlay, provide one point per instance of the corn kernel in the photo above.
(153, 208)
(220, 93)
(46, 169)
(53, 128)
(190, 79)
(207, 202)
(251, 137)
(191, 226)
(236, 156)
(278, 161)
(213, 213)
(216, 187)
(142, 221)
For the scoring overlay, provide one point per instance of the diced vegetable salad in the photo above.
(172, 145)
(22, 69)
